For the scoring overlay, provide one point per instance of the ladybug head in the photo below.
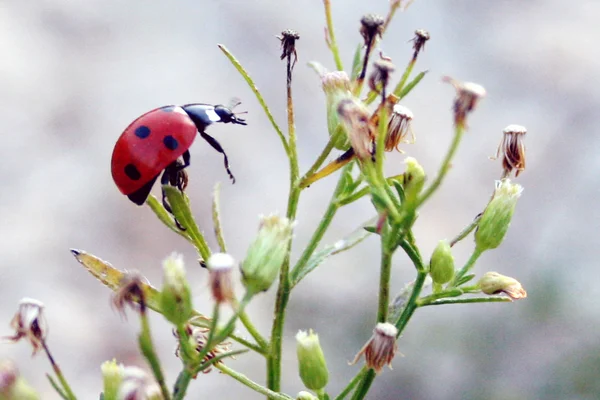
(228, 116)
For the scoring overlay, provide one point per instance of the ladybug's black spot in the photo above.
(170, 142)
(142, 132)
(132, 172)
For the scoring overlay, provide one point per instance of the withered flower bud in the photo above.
(371, 26)
(379, 78)
(336, 86)
(30, 323)
(135, 384)
(380, 350)
(198, 337)
(512, 149)
(220, 266)
(421, 37)
(467, 97)
(355, 118)
(494, 283)
(399, 128)
(130, 293)
(288, 44)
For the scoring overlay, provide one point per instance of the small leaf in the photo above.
(181, 209)
(164, 216)
(356, 63)
(341, 245)
(216, 214)
(371, 229)
(411, 85)
(465, 279)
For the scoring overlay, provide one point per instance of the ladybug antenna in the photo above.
(234, 102)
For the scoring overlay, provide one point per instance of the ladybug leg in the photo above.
(217, 146)
(167, 178)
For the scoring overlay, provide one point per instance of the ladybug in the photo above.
(154, 143)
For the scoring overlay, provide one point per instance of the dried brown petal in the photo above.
(30, 323)
(512, 148)
(380, 350)
(399, 128)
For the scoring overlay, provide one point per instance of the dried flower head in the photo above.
(335, 82)
(12, 385)
(198, 337)
(421, 37)
(355, 118)
(371, 26)
(494, 283)
(512, 149)
(30, 323)
(131, 292)
(135, 384)
(8, 375)
(220, 266)
(288, 44)
(467, 97)
(379, 78)
(380, 350)
(399, 128)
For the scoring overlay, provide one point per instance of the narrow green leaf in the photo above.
(164, 216)
(411, 85)
(216, 214)
(341, 245)
(465, 279)
(356, 62)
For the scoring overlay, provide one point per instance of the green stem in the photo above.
(352, 384)
(260, 340)
(441, 295)
(492, 299)
(385, 273)
(321, 229)
(319, 161)
(283, 291)
(186, 351)
(251, 384)
(365, 385)
(332, 42)
(183, 381)
(68, 393)
(148, 350)
(467, 267)
(458, 134)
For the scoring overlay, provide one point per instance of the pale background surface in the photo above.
(74, 73)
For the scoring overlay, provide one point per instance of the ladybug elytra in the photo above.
(154, 143)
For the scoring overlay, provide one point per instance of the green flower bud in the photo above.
(336, 86)
(176, 296)
(414, 179)
(441, 266)
(303, 395)
(497, 215)
(494, 283)
(112, 374)
(12, 385)
(311, 361)
(267, 253)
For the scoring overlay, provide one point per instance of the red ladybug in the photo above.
(154, 142)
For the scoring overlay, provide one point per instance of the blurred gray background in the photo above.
(74, 74)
